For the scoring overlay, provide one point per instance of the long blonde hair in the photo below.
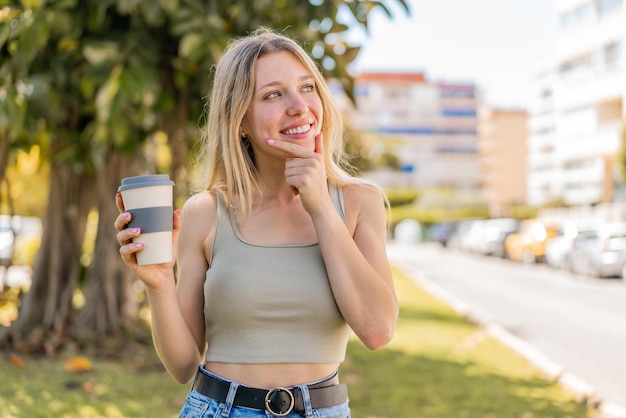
(224, 156)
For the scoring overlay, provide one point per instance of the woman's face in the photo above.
(285, 105)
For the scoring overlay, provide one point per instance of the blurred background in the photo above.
(494, 127)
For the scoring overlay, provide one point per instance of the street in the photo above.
(576, 322)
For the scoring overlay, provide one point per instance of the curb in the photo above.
(584, 392)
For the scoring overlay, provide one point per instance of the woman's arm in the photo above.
(357, 264)
(176, 309)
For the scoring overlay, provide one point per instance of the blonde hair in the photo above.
(225, 157)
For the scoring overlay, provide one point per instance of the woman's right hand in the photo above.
(152, 275)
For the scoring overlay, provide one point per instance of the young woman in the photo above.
(280, 258)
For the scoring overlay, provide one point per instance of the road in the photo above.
(576, 322)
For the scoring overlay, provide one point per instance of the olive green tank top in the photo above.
(270, 304)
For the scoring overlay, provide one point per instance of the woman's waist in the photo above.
(271, 375)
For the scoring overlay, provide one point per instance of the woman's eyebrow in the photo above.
(278, 82)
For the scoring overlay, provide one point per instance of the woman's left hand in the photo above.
(306, 174)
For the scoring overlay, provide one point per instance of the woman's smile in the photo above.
(301, 129)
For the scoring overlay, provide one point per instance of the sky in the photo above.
(495, 44)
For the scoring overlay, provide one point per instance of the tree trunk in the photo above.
(110, 304)
(176, 127)
(47, 307)
(4, 159)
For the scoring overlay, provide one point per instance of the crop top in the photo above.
(270, 304)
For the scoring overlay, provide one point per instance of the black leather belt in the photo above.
(278, 401)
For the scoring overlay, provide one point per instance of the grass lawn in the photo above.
(438, 366)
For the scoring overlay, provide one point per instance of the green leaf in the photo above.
(8, 13)
(190, 45)
(100, 53)
(106, 94)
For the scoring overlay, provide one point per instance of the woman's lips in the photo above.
(297, 130)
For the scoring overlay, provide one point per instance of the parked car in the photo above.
(493, 234)
(600, 252)
(473, 236)
(528, 244)
(558, 248)
(7, 239)
(441, 232)
(459, 237)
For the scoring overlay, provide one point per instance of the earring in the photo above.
(245, 141)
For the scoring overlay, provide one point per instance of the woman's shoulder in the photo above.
(199, 218)
(362, 193)
(203, 202)
(363, 202)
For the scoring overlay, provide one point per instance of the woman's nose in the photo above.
(297, 105)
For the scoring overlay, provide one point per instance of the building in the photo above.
(544, 174)
(503, 151)
(577, 117)
(431, 124)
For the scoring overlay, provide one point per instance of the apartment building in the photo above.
(577, 115)
(503, 152)
(432, 126)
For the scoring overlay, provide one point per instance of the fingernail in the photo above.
(139, 245)
(269, 140)
(126, 215)
(136, 230)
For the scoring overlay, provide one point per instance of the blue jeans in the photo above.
(199, 406)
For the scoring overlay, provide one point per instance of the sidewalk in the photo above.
(583, 391)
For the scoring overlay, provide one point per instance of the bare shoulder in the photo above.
(199, 218)
(203, 203)
(363, 201)
(359, 195)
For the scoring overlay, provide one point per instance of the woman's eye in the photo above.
(272, 95)
(309, 88)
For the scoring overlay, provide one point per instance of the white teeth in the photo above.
(298, 130)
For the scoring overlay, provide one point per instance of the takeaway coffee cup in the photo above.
(149, 200)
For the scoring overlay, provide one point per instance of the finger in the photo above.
(122, 220)
(319, 143)
(176, 226)
(119, 202)
(127, 251)
(297, 151)
(125, 236)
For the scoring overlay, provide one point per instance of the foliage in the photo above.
(110, 70)
(431, 215)
(97, 86)
(437, 366)
(28, 178)
(401, 196)
(430, 206)
(527, 212)
(9, 304)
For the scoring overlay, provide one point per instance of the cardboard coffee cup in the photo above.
(149, 200)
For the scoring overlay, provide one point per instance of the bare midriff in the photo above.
(268, 376)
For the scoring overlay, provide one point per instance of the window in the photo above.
(583, 61)
(613, 53)
(585, 13)
(580, 15)
(606, 6)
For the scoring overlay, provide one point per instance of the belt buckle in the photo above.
(275, 402)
